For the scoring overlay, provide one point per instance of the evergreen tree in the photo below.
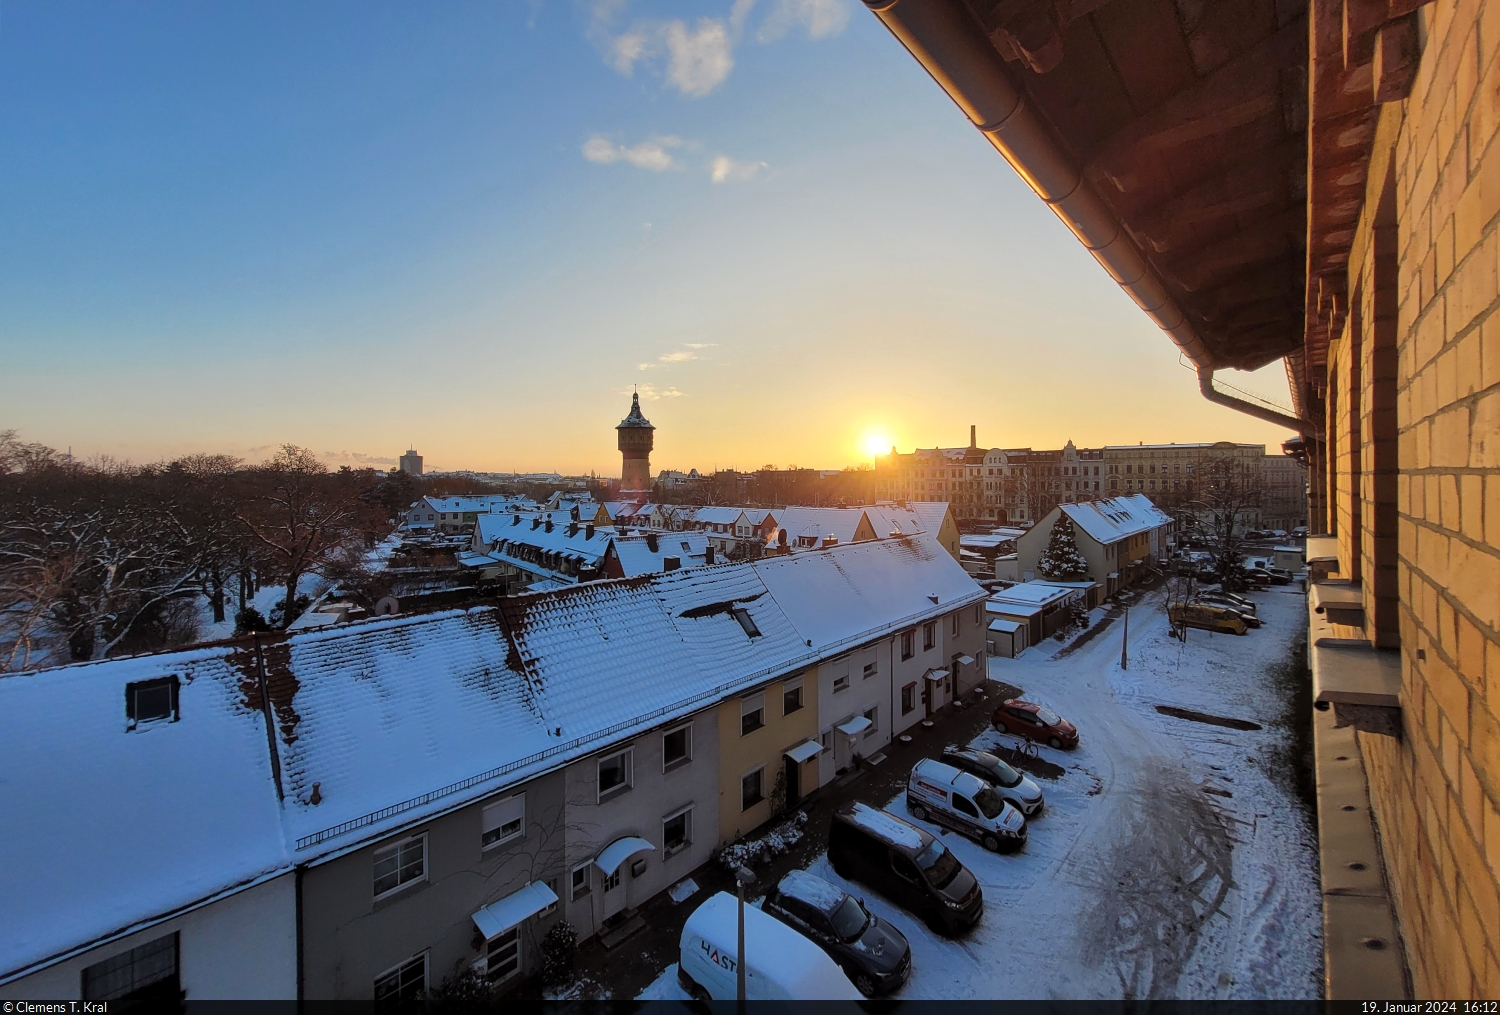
(1062, 561)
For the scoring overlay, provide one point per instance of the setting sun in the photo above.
(877, 444)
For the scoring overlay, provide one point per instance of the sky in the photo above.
(475, 228)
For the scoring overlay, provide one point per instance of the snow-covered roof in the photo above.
(821, 522)
(1109, 521)
(1013, 609)
(887, 518)
(636, 557)
(582, 541)
(1004, 626)
(886, 826)
(112, 826)
(1035, 593)
(711, 515)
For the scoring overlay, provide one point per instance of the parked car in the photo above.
(783, 966)
(1207, 617)
(1034, 722)
(1300, 532)
(1020, 791)
(1279, 575)
(1279, 533)
(874, 955)
(907, 865)
(1242, 603)
(1213, 599)
(965, 803)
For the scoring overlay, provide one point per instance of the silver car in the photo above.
(1014, 788)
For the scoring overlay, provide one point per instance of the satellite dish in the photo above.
(387, 607)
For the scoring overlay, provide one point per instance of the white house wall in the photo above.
(862, 694)
(242, 947)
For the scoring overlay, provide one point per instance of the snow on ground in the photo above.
(265, 601)
(1170, 861)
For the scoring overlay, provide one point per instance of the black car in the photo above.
(1014, 788)
(906, 864)
(874, 955)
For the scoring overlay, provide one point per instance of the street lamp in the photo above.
(742, 877)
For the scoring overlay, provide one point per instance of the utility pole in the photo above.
(1125, 642)
(742, 877)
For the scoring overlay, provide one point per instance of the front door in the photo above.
(840, 751)
(614, 892)
(793, 782)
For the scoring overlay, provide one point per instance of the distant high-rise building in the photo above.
(636, 438)
(411, 463)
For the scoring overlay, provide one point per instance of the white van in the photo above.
(963, 802)
(782, 964)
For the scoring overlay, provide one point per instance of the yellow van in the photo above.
(1208, 617)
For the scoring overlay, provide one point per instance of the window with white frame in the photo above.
(752, 788)
(841, 683)
(954, 621)
(401, 984)
(615, 773)
(791, 696)
(906, 644)
(504, 820)
(502, 955)
(929, 636)
(752, 713)
(677, 831)
(400, 864)
(676, 747)
(578, 884)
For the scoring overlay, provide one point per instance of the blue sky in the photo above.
(476, 227)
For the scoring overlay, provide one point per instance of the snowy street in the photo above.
(1174, 858)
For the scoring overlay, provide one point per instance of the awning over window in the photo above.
(619, 851)
(966, 660)
(499, 917)
(800, 753)
(937, 675)
(855, 726)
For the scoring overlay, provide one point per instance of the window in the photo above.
(504, 820)
(406, 982)
(147, 972)
(747, 622)
(870, 670)
(841, 683)
(676, 748)
(929, 635)
(752, 714)
(751, 789)
(908, 698)
(874, 716)
(552, 908)
(502, 955)
(612, 881)
(963, 805)
(151, 701)
(978, 609)
(614, 774)
(954, 628)
(677, 831)
(578, 884)
(906, 645)
(400, 864)
(791, 696)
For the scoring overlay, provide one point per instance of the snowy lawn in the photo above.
(1172, 859)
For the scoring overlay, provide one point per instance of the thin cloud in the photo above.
(650, 154)
(724, 169)
(681, 356)
(821, 19)
(355, 457)
(652, 394)
(699, 345)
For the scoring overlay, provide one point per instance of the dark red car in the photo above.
(1035, 722)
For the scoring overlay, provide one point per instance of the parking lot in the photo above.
(1175, 857)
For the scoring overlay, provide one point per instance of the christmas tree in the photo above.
(1061, 561)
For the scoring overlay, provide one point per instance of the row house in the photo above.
(1115, 535)
(368, 810)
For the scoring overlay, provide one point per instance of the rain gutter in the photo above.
(952, 47)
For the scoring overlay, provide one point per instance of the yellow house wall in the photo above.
(739, 754)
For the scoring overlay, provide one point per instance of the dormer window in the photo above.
(149, 701)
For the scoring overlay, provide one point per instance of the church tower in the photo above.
(636, 437)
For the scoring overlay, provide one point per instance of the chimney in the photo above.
(588, 531)
(973, 439)
(781, 538)
(708, 554)
(515, 520)
(549, 524)
(572, 529)
(574, 513)
(536, 523)
(671, 563)
(651, 541)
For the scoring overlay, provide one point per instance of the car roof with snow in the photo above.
(811, 889)
(883, 825)
(946, 775)
(774, 950)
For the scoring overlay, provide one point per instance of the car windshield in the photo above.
(1048, 716)
(989, 803)
(849, 919)
(1004, 774)
(938, 864)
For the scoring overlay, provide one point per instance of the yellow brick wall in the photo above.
(1437, 792)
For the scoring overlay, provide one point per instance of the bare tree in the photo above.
(1222, 495)
(305, 519)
